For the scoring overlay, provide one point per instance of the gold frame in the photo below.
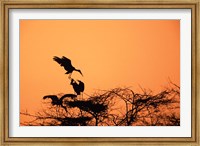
(189, 4)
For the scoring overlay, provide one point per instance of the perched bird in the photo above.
(78, 87)
(66, 63)
(58, 101)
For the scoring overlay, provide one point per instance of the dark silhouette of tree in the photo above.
(114, 107)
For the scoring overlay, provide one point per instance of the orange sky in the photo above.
(110, 53)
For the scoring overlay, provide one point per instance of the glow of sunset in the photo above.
(110, 53)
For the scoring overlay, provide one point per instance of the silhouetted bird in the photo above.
(66, 63)
(78, 88)
(56, 100)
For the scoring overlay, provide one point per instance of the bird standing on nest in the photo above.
(78, 87)
(66, 63)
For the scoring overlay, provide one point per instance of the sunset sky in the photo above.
(110, 53)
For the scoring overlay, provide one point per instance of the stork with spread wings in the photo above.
(66, 63)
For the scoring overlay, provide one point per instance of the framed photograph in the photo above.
(100, 72)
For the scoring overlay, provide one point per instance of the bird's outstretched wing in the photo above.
(65, 62)
(58, 60)
(68, 95)
(53, 97)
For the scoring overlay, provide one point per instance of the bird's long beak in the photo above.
(80, 72)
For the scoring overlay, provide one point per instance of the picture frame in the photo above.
(193, 5)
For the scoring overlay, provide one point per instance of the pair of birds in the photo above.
(66, 63)
(78, 87)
